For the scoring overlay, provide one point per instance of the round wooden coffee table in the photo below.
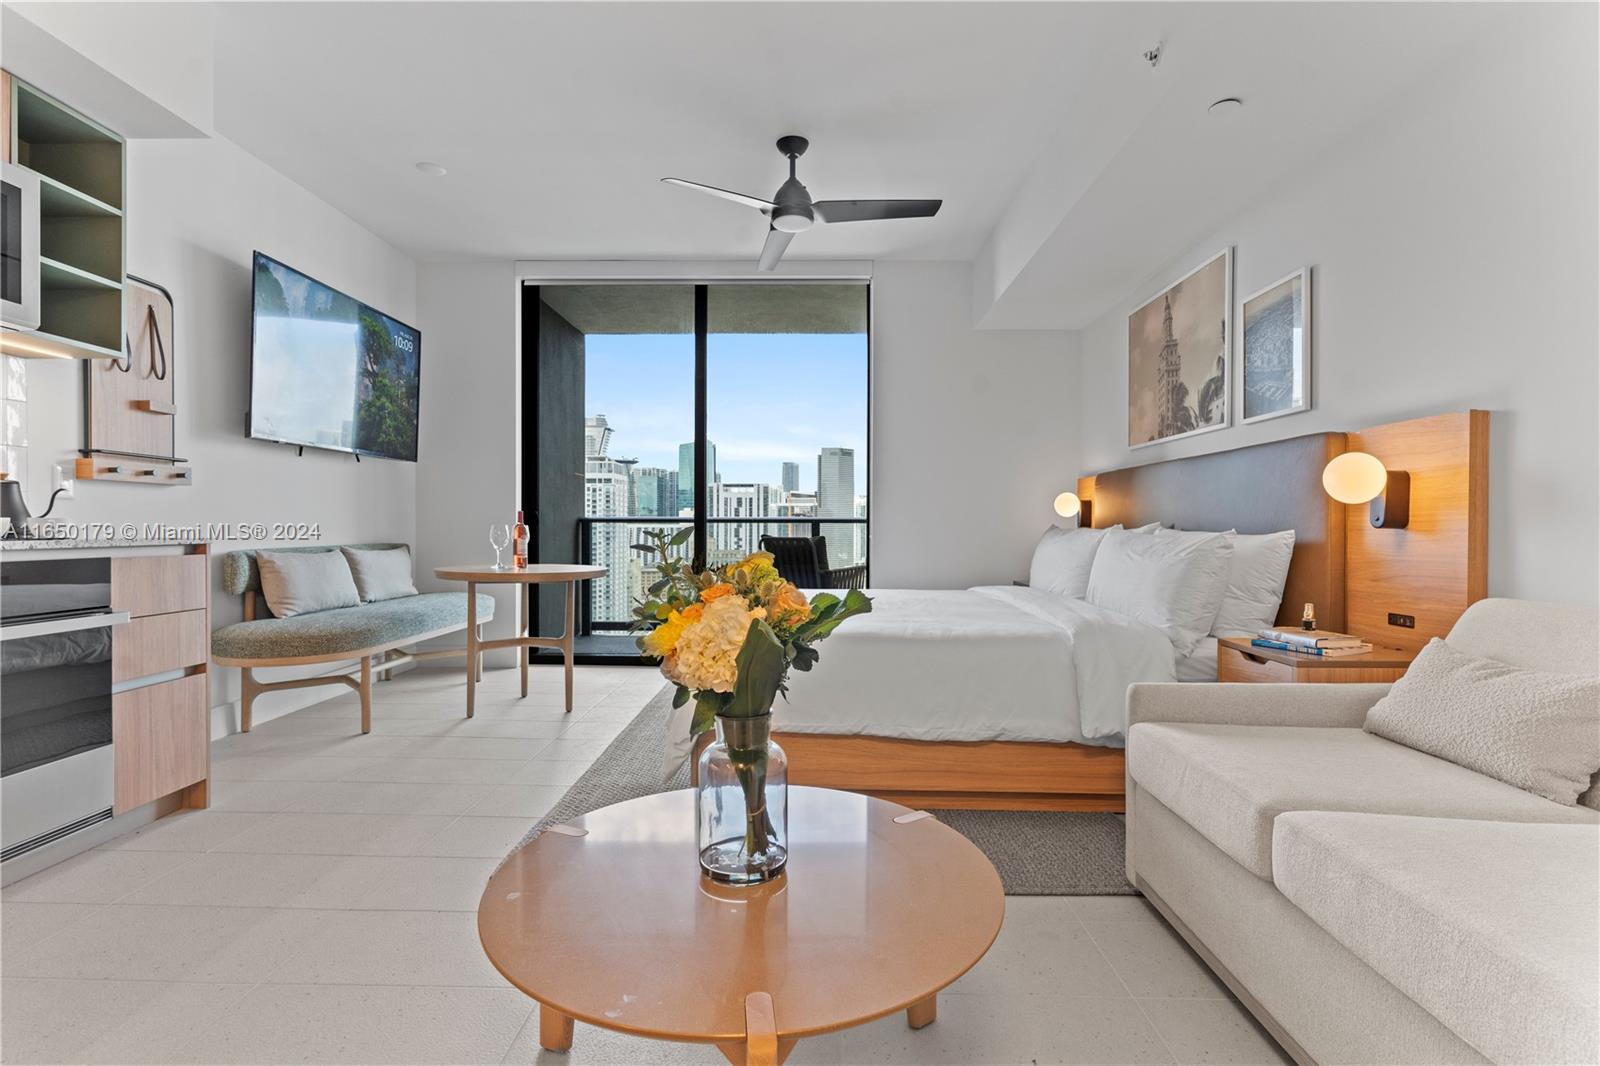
(608, 920)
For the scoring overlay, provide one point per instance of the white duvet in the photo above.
(989, 663)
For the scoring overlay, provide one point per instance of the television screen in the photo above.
(328, 371)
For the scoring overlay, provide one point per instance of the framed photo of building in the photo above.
(1275, 360)
(1178, 345)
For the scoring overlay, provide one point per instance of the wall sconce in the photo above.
(1068, 505)
(1356, 477)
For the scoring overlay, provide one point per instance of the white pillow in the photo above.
(1173, 582)
(381, 573)
(1062, 560)
(302, 582)
(1256, 575)
(1535, 730)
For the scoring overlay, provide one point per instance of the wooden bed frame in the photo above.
(1222, 490)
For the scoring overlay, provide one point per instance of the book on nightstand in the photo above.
(1330, 651)
(1310, 638)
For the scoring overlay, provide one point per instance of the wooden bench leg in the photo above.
(366, 694)
(923, 1012)
(247, 698)
(555, 1030)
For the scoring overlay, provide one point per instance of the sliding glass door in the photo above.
(736, 410)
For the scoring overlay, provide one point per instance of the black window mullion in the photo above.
(702, 490)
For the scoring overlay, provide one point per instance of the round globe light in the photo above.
(1068, 504)
(1354, 477)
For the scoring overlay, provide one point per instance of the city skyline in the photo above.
(772, 398)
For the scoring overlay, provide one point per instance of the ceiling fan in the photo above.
(791, 209)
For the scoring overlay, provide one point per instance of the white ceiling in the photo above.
(1067, 165)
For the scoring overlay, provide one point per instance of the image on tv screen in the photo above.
(329, 371)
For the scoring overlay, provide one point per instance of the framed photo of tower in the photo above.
(1275, 360)
(1178, 345)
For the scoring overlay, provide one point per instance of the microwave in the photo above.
(19, 256)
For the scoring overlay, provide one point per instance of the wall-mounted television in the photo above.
(327, 371)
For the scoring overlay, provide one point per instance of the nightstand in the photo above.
(1238, 660)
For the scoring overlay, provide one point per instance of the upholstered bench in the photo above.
(373, 633)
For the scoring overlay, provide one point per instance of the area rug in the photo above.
(1038, 853)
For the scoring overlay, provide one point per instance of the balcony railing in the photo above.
(607, 604)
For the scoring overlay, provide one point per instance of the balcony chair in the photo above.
(804, 561)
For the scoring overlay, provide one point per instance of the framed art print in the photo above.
(1276, 357)
(1178, 345)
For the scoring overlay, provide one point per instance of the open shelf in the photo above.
(59, 200)
(35, 344)
(56, 275)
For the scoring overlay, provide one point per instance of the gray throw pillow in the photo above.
(381, 573)
(1538, 731)
(302, 582)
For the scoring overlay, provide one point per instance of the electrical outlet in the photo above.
(62, 479)
(1404, 621)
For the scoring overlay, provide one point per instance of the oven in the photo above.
(57, 773)
(19, 247)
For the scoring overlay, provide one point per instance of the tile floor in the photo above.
(323, 910)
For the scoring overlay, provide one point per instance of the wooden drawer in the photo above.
(1238, 666)
(158, 643)
(161, 738)
(158, 584)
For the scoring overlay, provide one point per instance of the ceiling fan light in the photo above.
(792, 222)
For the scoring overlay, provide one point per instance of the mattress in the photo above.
(990, 663)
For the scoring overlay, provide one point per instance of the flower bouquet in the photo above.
(727, 638)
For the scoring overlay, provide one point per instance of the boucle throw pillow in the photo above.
(1538, 731)
(302, 582)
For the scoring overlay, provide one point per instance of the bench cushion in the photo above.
(1229, 782)
(1492, 927)
(325, 634)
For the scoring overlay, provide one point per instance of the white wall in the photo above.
(973, 433)
(470, 473)
(196, 209)
(1455, 267)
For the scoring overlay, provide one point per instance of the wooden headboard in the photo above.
(1260, 489)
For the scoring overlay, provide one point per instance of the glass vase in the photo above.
(742, 803)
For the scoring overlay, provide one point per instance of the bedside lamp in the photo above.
(1068, 506)
(1356, 478)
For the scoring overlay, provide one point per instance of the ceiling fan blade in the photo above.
(870, 210)
(777, 242)
(737, 197)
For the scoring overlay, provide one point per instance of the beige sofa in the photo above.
(1370, 903)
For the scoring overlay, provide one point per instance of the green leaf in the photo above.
(805, 657)
(680, 697)
(706, 706)
(681, 537)
(648, 549)
(761, 665)
(821, 602)
(660, 586)
(855, 602)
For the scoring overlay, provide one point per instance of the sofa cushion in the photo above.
(1230, 781)
(381, 573)
(327, 634)
(295, 583)
(1491, 927)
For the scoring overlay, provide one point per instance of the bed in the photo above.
(1013, 698)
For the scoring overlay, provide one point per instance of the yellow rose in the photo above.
(787, 605)
(716, 592)
(659, 642)
(755, 568)
(707, 652)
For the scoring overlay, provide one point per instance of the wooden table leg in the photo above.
(555, 1030)
(566, 638)
(366, 694)
(472, 642)
(923, 1012)
(522, 631)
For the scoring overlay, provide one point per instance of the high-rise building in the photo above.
(732, 541)
(596, 436)
(836, 498)
(655, 491)
(791, 477)
(686, 474)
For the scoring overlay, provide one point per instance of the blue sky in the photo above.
(771, 398)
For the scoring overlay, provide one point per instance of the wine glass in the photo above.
(499, 537)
